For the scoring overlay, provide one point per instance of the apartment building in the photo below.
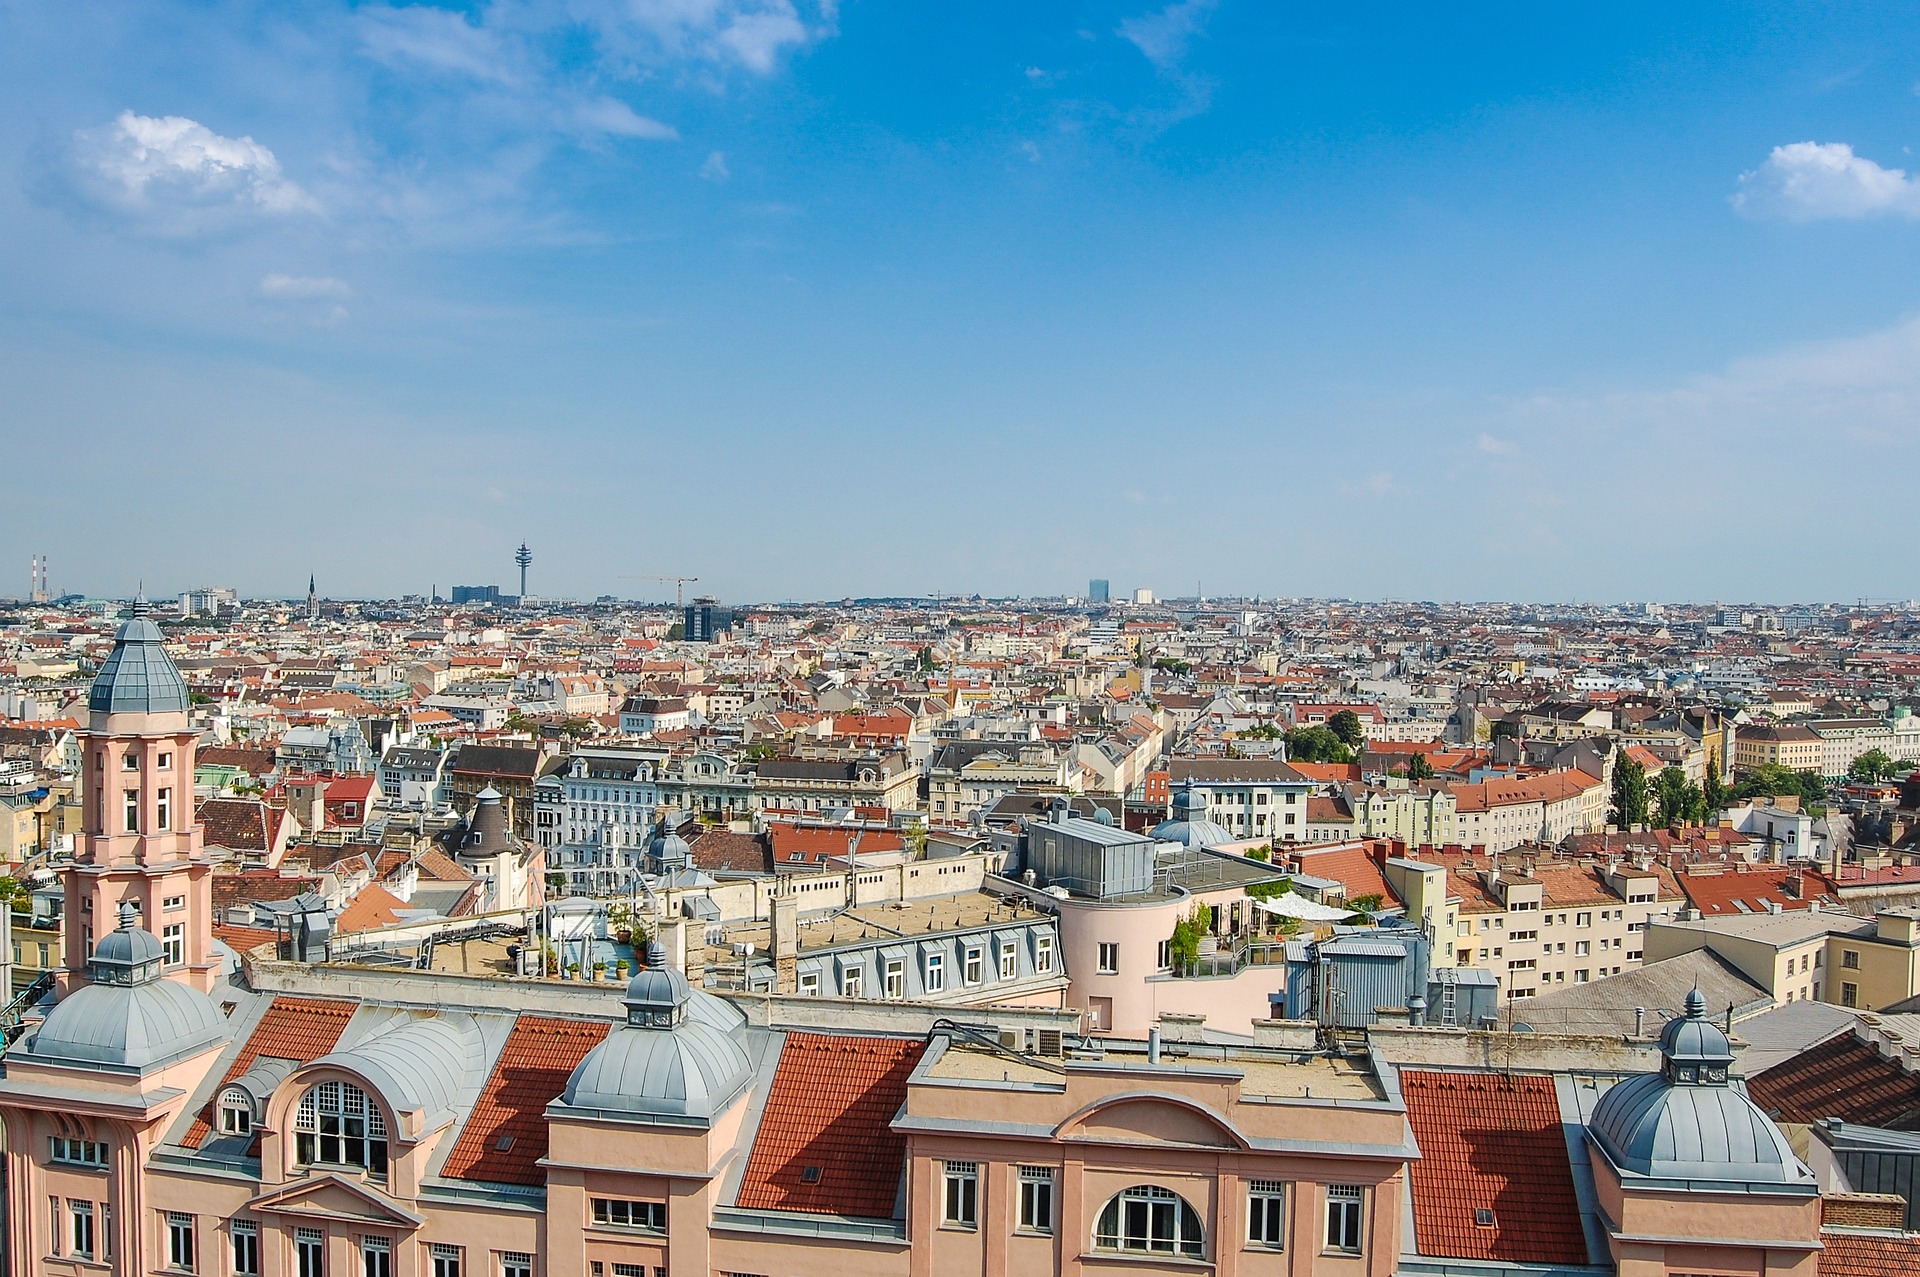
(1801, 955)
(1249, 797)
(1785, 745)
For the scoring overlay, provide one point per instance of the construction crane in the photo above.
(680, 584)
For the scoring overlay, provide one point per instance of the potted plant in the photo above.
(599, 970)
(620, 919)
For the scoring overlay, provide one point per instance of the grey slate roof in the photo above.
(138, 677)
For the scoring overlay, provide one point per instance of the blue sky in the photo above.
(811, 299)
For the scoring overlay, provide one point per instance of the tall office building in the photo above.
(704, 620)
(1097, 591)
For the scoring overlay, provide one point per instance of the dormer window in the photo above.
(236, 1112)
(337, 1124)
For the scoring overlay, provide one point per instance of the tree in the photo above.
(924, 659)
(1874, 765)
(1347, 726)
(1183, 947)
(1629, 794)
(1770, 780)
(1714, 792)
(1317, 745)
(1419, 768)
(1679, 799)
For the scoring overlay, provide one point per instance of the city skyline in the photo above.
(1136, 288)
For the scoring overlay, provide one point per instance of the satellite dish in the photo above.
(750, 948)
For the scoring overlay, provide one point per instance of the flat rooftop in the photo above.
(1265, 1074)
(964, 911)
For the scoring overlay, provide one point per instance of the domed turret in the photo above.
(130, 1016)
(667, 1063)
(666, 850)
(138, 676)
(1189, 824)
(1688, 1121)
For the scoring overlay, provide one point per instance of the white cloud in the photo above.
(303, 287)
(715, 169)
(746, 33)
(1811, 181)
(438, 39)
(1497, 447)
(614, 117)
(1163, 36)
(180, 174)
(1377, 484)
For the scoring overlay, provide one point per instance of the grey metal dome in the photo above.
(130, 1017)
(138, 676)
(691, 1070)
(419, 1064)
(667, 850)
(1689, 1121)
(671, 1061)
(1189, 824)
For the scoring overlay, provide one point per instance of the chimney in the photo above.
(783, 912)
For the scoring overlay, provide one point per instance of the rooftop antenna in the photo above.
(524, 557)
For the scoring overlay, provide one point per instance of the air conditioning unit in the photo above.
(1013, 1039)
(1048, 1042)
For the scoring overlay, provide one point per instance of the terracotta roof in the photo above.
(241, 939)
(302, 1029)
(1491, 1141)
(1842, 1077)
(1353, 867)
(251, 885)
(1868, 1254)
(831, 1107)
(238, 824)
(1714, 894)
(375, 906)
(505, 1138)
(719, 850)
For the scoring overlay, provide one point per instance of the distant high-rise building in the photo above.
(1098, 591)
(211, 599)
(476, 594)
(1143, 595)
(704, 620)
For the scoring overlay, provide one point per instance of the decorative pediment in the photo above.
(1151, 1119)
(327, 1196)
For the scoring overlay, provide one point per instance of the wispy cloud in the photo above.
(439, 40)
(1814, 181)
(611, 116)
(1163, 35)
(303, 287)
(177, 175)
(715, 169)
(1496, 447)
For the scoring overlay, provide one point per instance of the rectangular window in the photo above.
(1109, 959)
(376, 1257)
(936, 972)
(309, 1252)
(1009, 962)
(1583, 920)
(163, 809)
(1036, 1199)
(810, 984)
(133, 811)
(1849, 995)
(447, 1260)
(1343, 1217)
(1043, 955)
(180, 1241)
(970, 972)
(1850, 959)
(1266, 1212)
(173, 944)
(850, 982)
(1164, 959)
(173, 904)
(516, 1263)
(613, 1212)
(77, 1152)
(896, 978)
(80, 1237)
(963, 1195)
(243, 1237)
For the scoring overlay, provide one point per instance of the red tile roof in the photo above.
(1842, 1077)
(533, 1068)
(1868, 1254)
(301, 1029)
(1491, 1141)
(831, 1106)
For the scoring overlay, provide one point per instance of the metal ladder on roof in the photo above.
(1448, 1014)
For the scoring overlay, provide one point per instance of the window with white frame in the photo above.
(615, 1212)
(243, 1241)
(1266, 1212)
(962, 1195)
(80, 1229)
(337, 1124)
(1343, 1217)
(163, 809)
(971, 968)
(132, 813)
(1150, 1220)
(448, 1260)
(850, 982)
(1043, 955)
(896, 978)
(1108, 959)
(810, 984)
(173, 944)
(936, 973)
(77, 1152)
(309, 1252)
(376, 1257)
(1009, 961)
(1036, 1199)
(236, 1112)
(516, 1263)
(180, 1239)
(173, 904)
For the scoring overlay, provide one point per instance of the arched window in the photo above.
(1148, 1219)
(338, 1125)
